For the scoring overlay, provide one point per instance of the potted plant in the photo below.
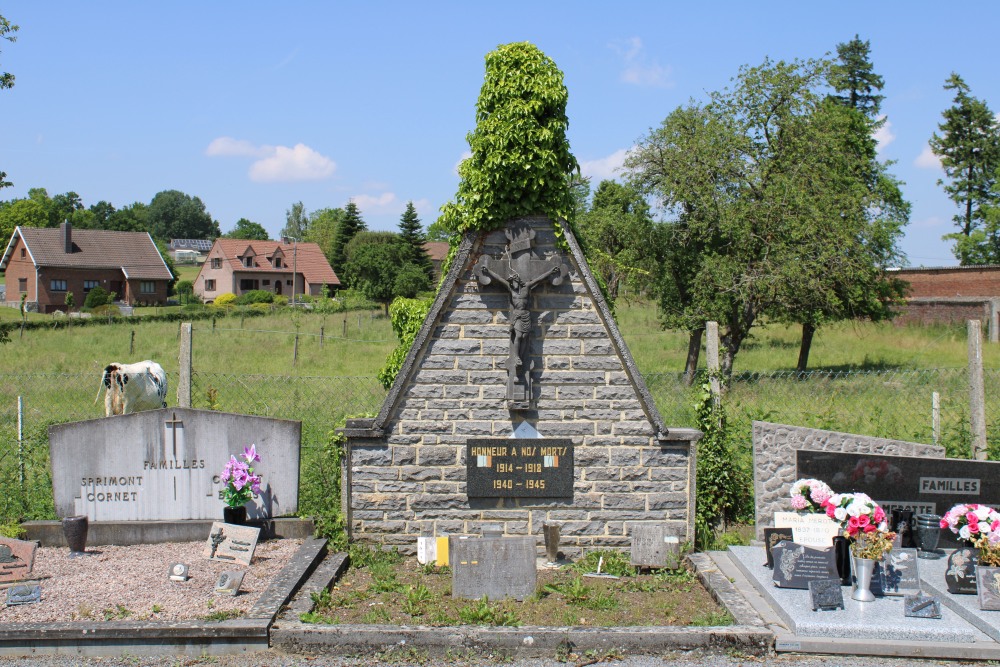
(808, 495)
(979, 527)
(864, 524)
(242, 484)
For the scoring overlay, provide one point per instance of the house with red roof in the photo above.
(238, 266)
(45, 263)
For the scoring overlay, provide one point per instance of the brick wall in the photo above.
(408, 474)
(956, 281)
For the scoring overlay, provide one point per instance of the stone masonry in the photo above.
(407, 470)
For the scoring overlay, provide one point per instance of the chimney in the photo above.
(66, 234)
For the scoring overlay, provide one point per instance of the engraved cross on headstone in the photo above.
(518, 271)
(173, 424)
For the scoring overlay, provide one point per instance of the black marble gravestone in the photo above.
(826, 595)
(796, 565)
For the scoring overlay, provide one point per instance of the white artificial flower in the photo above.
(964, 533)
(840, 514)
(982, 512)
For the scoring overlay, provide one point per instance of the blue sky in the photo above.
(253, 106)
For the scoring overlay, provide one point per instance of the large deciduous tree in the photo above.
(969, 148)
(378, 265)
(296, 222)
(323, 229)
(247, 230)
(411, 233)
(7, 30)
(348, 227)
(174, 215)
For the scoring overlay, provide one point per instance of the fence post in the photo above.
(321, 338)
(131, 344)
(184, 381)
(20, 442)
(295, 350)
(712, 359)
(345, 327)
(936, 417)
(977, 399)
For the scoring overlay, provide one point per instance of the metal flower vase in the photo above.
(75, 530)
(864, 568)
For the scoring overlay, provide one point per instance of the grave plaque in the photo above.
(655, 545)
(519, 467)
(921, 606)
(230, 543)
(814, 530)
(960, 577)
(826, 595)
(497, 567)
(899, 574)
(229, 583)
(17, 558)
(178, 572)
(918, 485)
(24, 594)
(988, 586)
(772, 537)
(795, 565)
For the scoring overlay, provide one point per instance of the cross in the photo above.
(518, 271)
(172, 425)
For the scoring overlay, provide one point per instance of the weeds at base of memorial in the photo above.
(387, 588)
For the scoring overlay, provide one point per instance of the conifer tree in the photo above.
(411, 233)
(350, 225)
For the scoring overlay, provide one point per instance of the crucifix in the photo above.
(518, 271)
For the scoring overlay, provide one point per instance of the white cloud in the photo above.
(275, 163)
(927, 159)
(603, 168)
(883, 135)
(383, 203)
(639, 70)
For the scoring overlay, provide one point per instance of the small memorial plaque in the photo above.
(24, 594)
(812, 530)
(231, 543)
(497, 567)
(988, 586)
(655, 545)
(229, 583)
(519, 467)
(899, 574)
(17, 558)
(795, 565)
(961, 573)
(826, 594)
(773, 537)
(178, 572)
(921, 606)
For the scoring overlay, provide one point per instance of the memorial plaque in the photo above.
(655, 545)
(519, 467)
(795, 565)
(24, 594)
(773, 537)
(229, 583)
(814, 530)
(17, 558)
(961, 573)
(921, 606)
(988, 586)
(230, 543)
(899, 574)
(178, 572)
(826, 595)
(497, 567)
(919, 485)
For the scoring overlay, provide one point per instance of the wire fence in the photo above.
(892, 404)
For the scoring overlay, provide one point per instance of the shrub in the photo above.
(184, 290)
(261, 307)
(224, 299)
(280, 300)
(97, 296)
(254, 296)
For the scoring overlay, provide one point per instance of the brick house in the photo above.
(951, 295)
(46, 263)
(438, 252)
(238, 266)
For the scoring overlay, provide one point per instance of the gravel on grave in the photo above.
(131, 583)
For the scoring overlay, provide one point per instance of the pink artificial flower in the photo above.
(871, 528)
(854, 522)
(863, 521)
(250, 453)
(799, 502)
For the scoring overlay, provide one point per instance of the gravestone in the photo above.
(988, 588)
(178, 572)
(826, 595)
(24, 594)
(165, 464)
(655, 545)
(772, 538)
(229, 582)
(518, 404)
(17, 559)
(795, 565)
(899, 573)
(227, 542)
(923, 486)
(497, 567)
(814, 530)
(921, 606)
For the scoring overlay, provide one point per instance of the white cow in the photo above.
(133, 387)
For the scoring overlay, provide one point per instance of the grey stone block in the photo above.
(426, 501)
(497, 568)
(667, 501)
(601, 474)
(486, 331)
(432, 455)
(596, 363)
(665, 458)
(585, 457)
(624, 501)
(598, 347)
(381, 456)
(468, 316)
(439, 362)
(474, 428)
(612, 393)
(475, 364)
(419, 473)
(425, 377)
(461, 391)
(626, 456)
(361, 474)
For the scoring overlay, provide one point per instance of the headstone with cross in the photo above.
(519, 271)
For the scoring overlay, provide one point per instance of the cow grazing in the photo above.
(133, 387)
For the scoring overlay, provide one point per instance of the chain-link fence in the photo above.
(892, 404)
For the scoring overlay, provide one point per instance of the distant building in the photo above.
(437, 251)
(238, 266)
(46, 263)
(951, 295)
(189, 251)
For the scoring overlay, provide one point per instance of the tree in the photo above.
(323, 229)
(247, 230)
(520, 155)
(852, 77)
(411, 233)
(296, 222)
(767, 202)
(375, 260)
(102, 211)
(174, 215)
(618, 230)
(347, 228)
(62, 207)
(7, 30)
(438, 232)
(21, 213)
(131, 218)
(969, 148)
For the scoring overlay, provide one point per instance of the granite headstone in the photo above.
(826, 594)
(899, 574)
(655, 545)
(17, 559)
(497, 567)
(773, 537)
(795, 565)
(231, 543)
(229, 582)
(921, 606)
(988, 587)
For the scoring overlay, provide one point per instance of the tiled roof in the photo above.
(132, 252)
(307, 258)
(436, 250)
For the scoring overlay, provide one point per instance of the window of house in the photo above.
(248, 284)
(23, 253)
(277, 262)
(288, 282)
(267, 283)
(22, 284)
(248, 262)
(57, 285)
(216, 262)
(89, 285)
(147, 287)
(210, 285)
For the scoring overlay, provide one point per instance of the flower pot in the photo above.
(926, 533)
(75, 531)
(864, 568)
(235, 515)
(988, 587)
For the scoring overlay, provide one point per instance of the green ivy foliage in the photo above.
(406, 315)
(521, 158)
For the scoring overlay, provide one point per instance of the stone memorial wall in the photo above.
(518, 405)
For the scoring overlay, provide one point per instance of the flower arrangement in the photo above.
(980, 525)
(809, 495)
(863, 522)
(242, 483)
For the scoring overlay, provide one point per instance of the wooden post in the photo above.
(321, 337)
(184, 379)
(345, 326)
(131, 344)
(712, 359)
(993, 329)
(936, 417)
(295, 350)
(977, 399)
